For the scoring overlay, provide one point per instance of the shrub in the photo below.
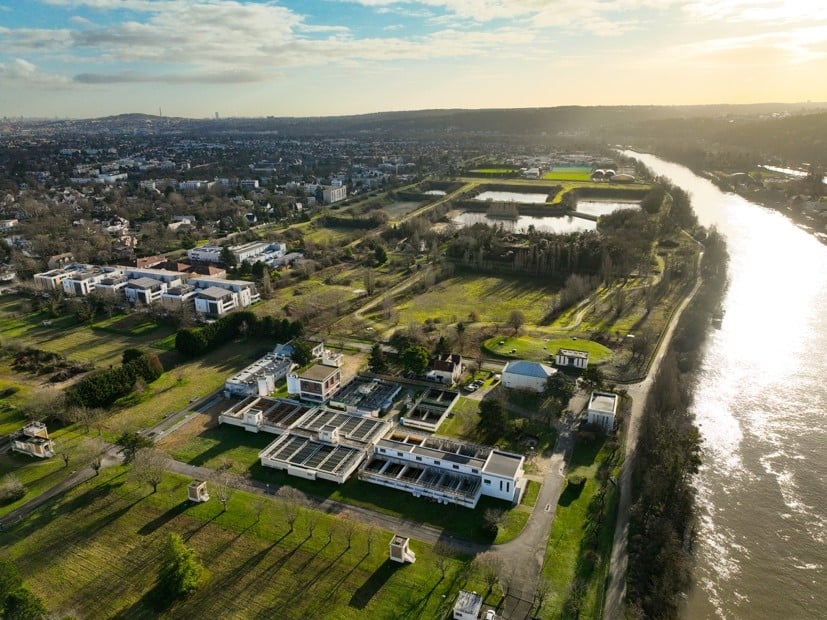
(180, 571)
(11, 490)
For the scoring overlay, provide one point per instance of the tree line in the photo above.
(662, 519)
(195, 341)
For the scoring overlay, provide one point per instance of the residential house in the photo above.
(446, 368)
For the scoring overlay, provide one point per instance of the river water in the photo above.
(761, 404)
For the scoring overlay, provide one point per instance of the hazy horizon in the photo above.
(299, 58)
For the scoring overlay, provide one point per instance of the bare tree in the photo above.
(292, 501)
(222, 487)
(92, 452)
(258, 506)
(489, 566)
(541, 594)
(148, 466)
(492, 518)
(442, 552)
(349, 529)
(312, 522)
(62, 448)
(370, 538)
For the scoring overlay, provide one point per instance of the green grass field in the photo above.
(215, 446)
(492, 298)
(493, 171)
(563, 552)
(544, 349)
(95, 554)
(569, 174)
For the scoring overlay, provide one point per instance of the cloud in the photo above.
(133, 77)
(21, 71)
(781, 48)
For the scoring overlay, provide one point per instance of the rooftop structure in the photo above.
(324, 444)
(400, 550)
(526, 375)
(366, 396)
(33, 439)
(261, 414)
(428, 412)
(317, 383)
(602, 410)
(446, 471)
(260, 377)
(468, 606)
(572, 358)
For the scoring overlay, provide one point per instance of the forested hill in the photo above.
(795, 138)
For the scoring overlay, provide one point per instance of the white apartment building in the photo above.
(215, 302)
(331, 194)
(82, 283)
(144, 290)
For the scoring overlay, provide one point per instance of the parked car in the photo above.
(490, 615)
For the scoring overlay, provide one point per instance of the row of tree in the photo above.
(195, 341)
(662, 518)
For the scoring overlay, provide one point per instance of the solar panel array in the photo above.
(353, 427)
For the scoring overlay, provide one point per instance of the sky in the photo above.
(199, 58)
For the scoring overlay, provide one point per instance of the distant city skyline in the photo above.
(230, 58)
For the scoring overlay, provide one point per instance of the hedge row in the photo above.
(195, 341)
(103, 388)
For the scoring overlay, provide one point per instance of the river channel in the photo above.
(761, 404)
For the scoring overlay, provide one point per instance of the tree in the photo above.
(22, 604)
(377, 361)
(369, 280)
(416, 359)
(380, 254)
(593, 377)
(292, 501)
(492, 519)
(541, 594)
(488, 565)
(148, 466)
(516, 320)
(560, 388)
(227, 257)
(222, 487)
(493, 418)
(302, 353)
(460, 327)
(443, 553)
(92, 452)
(10, 579)
(130, 442)
(180, 570)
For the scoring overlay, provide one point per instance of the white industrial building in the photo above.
(260, 377)
(572, 358)
(525, 375)
(264, 251)
(602, 410)
(446, 471)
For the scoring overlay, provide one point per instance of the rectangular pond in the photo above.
(555, 225)
(524, 198)
(604, 207)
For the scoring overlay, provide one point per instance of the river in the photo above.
(761, 404)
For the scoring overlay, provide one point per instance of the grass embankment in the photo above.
(95, 554)
(580, 542)
(224, 445)
(543, 349)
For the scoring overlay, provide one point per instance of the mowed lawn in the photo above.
(543, 349)
(567, 532)
(95, 554)
(79, 342)
(490, 297)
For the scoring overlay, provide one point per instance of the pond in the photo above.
(512, 197)
(604, 207)
(435, 192)
(556, 225)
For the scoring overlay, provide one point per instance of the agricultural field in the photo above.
(95, 553)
